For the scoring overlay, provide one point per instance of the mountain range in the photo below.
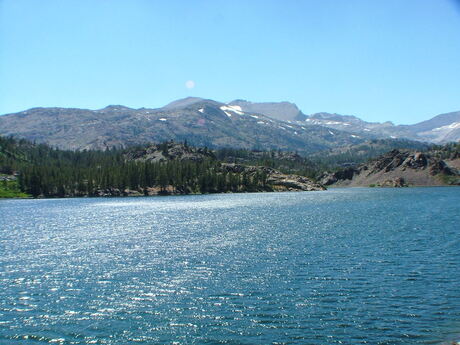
(204, 122)
(440, 129)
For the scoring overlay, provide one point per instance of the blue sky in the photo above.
(380, 60)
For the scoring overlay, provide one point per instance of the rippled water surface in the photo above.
(345, 266)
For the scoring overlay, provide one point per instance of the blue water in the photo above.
(344, 266)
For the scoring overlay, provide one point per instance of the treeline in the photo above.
(110, 179)
(44, 171)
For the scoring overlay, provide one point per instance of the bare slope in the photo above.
(400, 168)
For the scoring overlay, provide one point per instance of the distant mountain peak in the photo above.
(326, 116)
(183, 102)
(116, 107)
(284, 111)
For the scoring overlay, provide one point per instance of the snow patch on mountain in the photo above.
(448, 127)
(233, 108)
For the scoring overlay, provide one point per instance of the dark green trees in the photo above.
(43, 171)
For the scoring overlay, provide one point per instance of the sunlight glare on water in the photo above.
(346, 266)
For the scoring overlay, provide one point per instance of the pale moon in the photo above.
(189, 84)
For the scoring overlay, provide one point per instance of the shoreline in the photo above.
(139, 195)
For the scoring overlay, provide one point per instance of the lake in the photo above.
(344, 266)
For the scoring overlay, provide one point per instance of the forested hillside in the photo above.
(167, 168)
(37, 170)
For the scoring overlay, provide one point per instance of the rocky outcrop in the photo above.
(281, 182)
(344, 174)
(169, 151)
(274, 179)
(397, 168)
(396, 182)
